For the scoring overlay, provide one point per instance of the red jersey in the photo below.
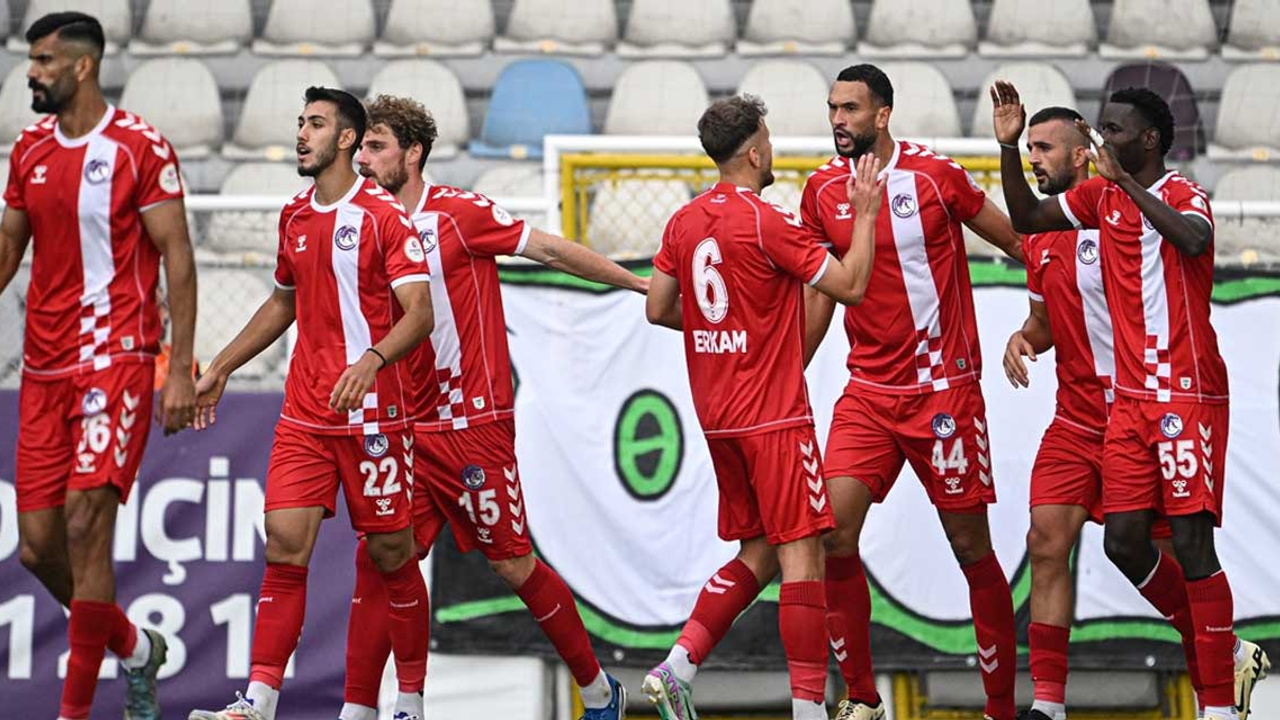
(1166, 348)
(94, 269)
(464, 373)
(740, 262)
(345, 260)
(1064, 271)
(915, 330)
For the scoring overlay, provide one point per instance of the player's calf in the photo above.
(42, 550)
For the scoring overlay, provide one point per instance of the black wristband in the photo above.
(381, 357)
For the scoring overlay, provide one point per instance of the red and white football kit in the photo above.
(93, 326)
(466, 471)
(1170, 416)
(740, 262)
(344, 262)
(914, 360)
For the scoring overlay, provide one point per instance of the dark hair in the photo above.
(727, 124)
(873, 77)
(70, 26)
(351, 112)
(408, 120)
(1152, 108)
(1054, 112)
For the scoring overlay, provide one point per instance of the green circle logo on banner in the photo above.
(648, 445)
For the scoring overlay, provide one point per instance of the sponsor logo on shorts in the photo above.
(97, 172)
(944, 426)
(1087, 252)
(376, 445)
(904, 206)
(345, 237)
(473, 477)
(94, 401)
(384, 507)
(1171, 425)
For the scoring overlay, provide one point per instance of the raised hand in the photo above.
(1103, 155)
(1007, 113)
(864, 187)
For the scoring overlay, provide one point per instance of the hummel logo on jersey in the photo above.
(1114, 218)
(302, 244)
(1044, 257)
(38, 177)
(842, 211)
(719, 199)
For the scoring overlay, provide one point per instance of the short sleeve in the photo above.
(962, 195)
(1189, 199)
(790, 246)
(159, 179)
(664, 260)
(811, 215)
(487, 230)
(1080, 203)
(284, 269)
(1035, 287)
(13, 189)
(403, 257)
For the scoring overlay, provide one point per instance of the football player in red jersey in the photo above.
(98, 194)
(1165, 445)
(731, 273)
(465, 455)
(913, 393)
(350, 271)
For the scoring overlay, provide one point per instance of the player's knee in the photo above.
(291, 548)
(513, 571)
(86, 525)
(969, 547)
(841, 542)
(1129, 551)
(1045, 547)
(1196, 553)
(389, 555)
(34, 555)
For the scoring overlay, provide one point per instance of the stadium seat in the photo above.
(514, 180)
(179, 97)
(436, 87)
(414, 28)
(919, 28)
(627, 216)
(5, 18)
(530, 99)
(974, 245)
(678, 28)
(15, 106)
(339, 28)
(267, 127)
(795, 92)
(800, 27)
(1247, 240)
(248, 232)
(1255, 183)
(656, 97)
(1165, 29)
(1254, 31)
(1169, 83)
(115, 16)
(1039, 84)
(1033, 28)
(180, 27)
(1249, 115)
(226, 299)
(786, 194)
(560, 27)
(923, 104)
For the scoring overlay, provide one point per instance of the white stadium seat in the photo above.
(414, 28)
(1034, 28)
(1249, 115)
(252, 232)
(5, 18)
(920, 28)
(15, 106)
(1247, 240)
(514, 180)
(678, 28)
(181, 27)
(795, 93)
(627, 217)
(1039, 84)
(1254, 32)
(560, 27)
(436, 87)
(115, 16)
(656, 97)
(786, 194)
(801, 27)
(317, 27)
(179, 97)
(1165, 29)
(227, 298)
(267, 127)
(923, 103)
(1255, 183)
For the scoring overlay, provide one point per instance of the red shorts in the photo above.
(942, 434)
(469, 479)
(1169, 457)
(374, 470)
(771, 484)
(82, 432)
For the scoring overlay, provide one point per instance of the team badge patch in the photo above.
(1087, 252)
(944, 426)
(413, 249)
(97, 172)
(169, 180)
(376, 445)
(345, 237)
(904, 206)
(1147, 224)
(428, 238)
(502, 217)
(1171, 425)
(94, 401)
(473, 477)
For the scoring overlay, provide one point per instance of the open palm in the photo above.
(1007, 113)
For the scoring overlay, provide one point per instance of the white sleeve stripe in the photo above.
(1197, 213)
(406, 279)
(813, 281)
(524, 239)
(282, 286)
(1035, 296)
(1066, 210)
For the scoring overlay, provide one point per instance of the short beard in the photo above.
(861, 144)
(51, 104)
(394, 180)
(324, 158)
(766, 179)
(1055, 184)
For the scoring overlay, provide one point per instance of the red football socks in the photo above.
(849, 625)
(1049, 661)
(802, 612)
(1166, 590)
(1211, 611)
(409, 622)
(282, 603)
(368, 633)
(91, 626)
(992, 605)
(124, 636)
(729, 591)
(551, 602)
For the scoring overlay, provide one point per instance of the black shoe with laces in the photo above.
(1033, 715)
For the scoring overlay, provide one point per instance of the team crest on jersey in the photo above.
(1171, 425)
(376, 445)
(1147, 224)
(473, 477)
(413, 249)
(97, 172)
(94, 401)
(428, 238)
(345, 237)
(904, 206)
(1087, 252)
(944, 426)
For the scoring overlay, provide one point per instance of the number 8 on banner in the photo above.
(708, 284)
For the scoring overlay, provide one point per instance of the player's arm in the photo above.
(412, 328)
(995, 227)
(264, 328)
(662, 305)
(1028, 213)
(1032, 339)
(846, 281)
(560, 254)
(166, 225)
(15, 233)
(818, 310)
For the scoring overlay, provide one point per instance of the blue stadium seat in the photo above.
(530, 99)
